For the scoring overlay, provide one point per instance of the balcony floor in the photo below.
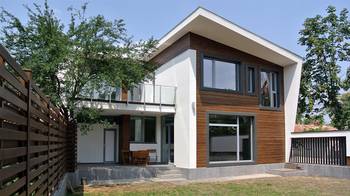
(125, 107)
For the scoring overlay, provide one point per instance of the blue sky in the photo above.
(276, 20)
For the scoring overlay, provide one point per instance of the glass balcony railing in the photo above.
(153, 94)
(105, 93)
(142, 93)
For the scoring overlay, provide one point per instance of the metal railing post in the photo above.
(144, 97)
(160, 98)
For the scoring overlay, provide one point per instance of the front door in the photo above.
(110, 146)
(168, 140)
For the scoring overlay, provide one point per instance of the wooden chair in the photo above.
(126, 157)
(140, 157)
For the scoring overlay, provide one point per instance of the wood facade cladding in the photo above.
(269, 130)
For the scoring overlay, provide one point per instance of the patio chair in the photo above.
(140, 157)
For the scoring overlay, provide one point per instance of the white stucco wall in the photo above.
(90, 146)
(292, 75)
(181, 72)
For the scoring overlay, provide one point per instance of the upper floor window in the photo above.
(220, 74)
(250, 80)
(269, 91)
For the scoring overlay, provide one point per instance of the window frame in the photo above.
(255, 73)
(143, 130)
(271, 71)
(238, 75)
(253, 138)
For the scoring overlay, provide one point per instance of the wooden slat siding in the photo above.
(124, 133)
(12, 170)
(269, 130)
(31, 159)
(173, 50)
(8, 153)
(10, 97)
(12, 80)
(12, 188)
(9, 134)
(12, 116)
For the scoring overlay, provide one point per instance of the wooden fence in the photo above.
(319, 150)
(37, 144)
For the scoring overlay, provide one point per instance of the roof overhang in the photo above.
(214, 27)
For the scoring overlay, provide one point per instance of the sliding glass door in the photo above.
(230, 138)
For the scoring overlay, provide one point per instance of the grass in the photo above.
(297, 186)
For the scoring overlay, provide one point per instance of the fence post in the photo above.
(2, 65)
(29, 97)
(48, 148)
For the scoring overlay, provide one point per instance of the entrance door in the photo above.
(110, 146)
(168, 140)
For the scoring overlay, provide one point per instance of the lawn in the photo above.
(264, 186)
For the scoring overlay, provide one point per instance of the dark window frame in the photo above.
(239, 71)
(143, 129)
(255, 82)
(254, 144)
(278, 88)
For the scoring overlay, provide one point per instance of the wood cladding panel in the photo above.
(173, 50)
(269, 130)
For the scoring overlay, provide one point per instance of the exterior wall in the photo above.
(90, 147)
(180, 71)
(270, 124)
(292, 76)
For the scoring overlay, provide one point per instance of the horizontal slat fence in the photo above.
(37, 144)
(319, 150)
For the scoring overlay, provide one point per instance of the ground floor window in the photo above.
(230, 138)
(143, 129)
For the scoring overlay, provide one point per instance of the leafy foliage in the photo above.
(88, 53)
(327, 41)
(343, 120)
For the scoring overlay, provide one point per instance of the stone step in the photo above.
(287, 172)
(292, 166)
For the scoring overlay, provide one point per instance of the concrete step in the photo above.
(168, 179)
(170, 176)
(287, 172)
(172, 171)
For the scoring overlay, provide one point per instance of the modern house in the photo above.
(221, 95)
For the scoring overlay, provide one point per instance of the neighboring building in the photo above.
(313, 127)
(221, 96)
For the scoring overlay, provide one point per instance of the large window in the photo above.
(220, 75)
(269, 90)
(230, 138)
(143, 129)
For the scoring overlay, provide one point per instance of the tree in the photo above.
(88, 53)
(327, 41)
(343, 120)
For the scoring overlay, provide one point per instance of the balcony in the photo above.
(143, 97)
